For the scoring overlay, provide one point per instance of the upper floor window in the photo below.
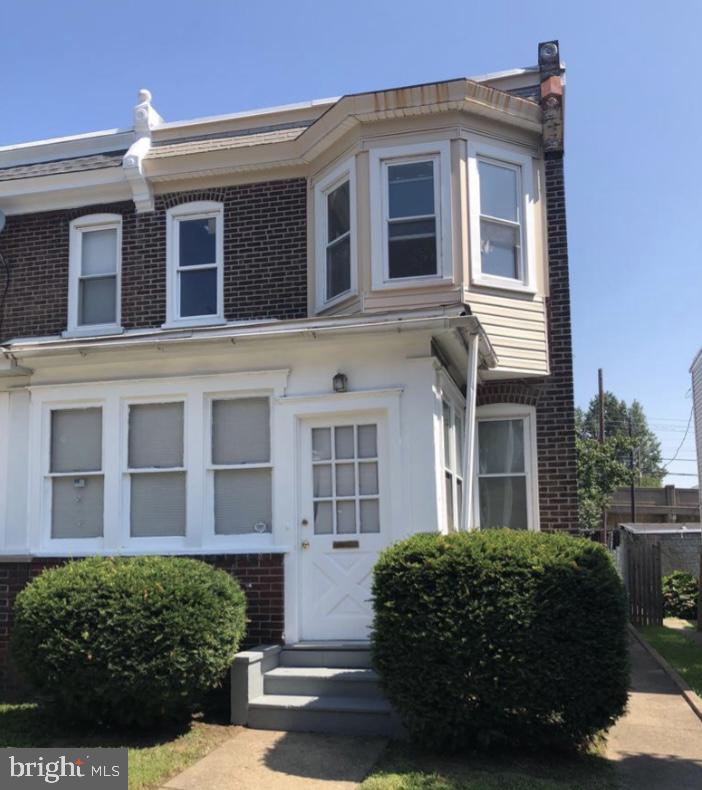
(500, 184)
(411, 214)
(94, 273)
(195, 252)
(335, 198)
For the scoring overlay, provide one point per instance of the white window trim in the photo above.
(502, 155)
(448, 392)
(114, 398)
(511, 411)
(203, 209)
(380, 158)
(346, 171)
(209, 527)
(78, 226)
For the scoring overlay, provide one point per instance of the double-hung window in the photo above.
(195, 251)
(500, 186)
(410, 214)
(506, 468)
(335, 199)
(94, 274)
(156, 470)
(240, 463)
(76, 473)
(453, 464)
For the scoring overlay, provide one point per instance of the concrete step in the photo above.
(345, 657)
(338, 715)
(322, 681)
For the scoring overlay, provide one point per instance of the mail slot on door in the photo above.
(345, 544)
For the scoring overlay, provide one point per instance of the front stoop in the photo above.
(311, 687)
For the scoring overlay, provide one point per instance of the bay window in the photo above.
(94, 274)
(453, 439)
(195, 253)
(335, 209)
(500, 194)
(411, 214)
(507, 495)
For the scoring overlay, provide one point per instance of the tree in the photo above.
(601, 471)
(617, 413)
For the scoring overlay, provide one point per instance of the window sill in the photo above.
(398, 283)
(93, 331)
(186, 323)
(503, 284)
(347, 296)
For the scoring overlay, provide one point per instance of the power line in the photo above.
(687, 430)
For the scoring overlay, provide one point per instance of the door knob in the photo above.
(305, 544)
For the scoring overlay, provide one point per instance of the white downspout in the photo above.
(467, 520)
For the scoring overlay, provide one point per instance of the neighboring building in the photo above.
(666, 504)
(680, 545)
(258, 339)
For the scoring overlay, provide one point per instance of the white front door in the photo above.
(343, 525)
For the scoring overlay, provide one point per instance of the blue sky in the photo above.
(633, 120)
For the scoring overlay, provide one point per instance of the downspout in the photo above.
(467, 519)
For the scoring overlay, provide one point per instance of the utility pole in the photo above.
(600, 398)
(631, 466)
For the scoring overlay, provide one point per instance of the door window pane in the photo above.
(155, 435)
(321, 444)
(503, 502)
(198, 292)
(368, 478)
(97, 301)
(76, 440)
(77, 507)
(500, 446)
(343, 438)
(367, 441)
(198, 241)
(345, 480)
(99, 251)
(323, 518)
(243, 501)
(370, 516)
(498, 191)
(322, 474)
(241, 431)
(157, 504)
(345, 518)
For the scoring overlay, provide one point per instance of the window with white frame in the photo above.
(94, 273)
(240, 465)
(506, 469)
(335, 230)
(195, 252)
(453, 464)
(345, 483)
(410, 214)
(156, 470)
(500, 186)
(76, 474)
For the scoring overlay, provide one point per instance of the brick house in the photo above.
(280, 340)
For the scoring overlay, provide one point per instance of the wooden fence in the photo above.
(643, 581)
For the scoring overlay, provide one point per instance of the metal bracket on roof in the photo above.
(145, 119)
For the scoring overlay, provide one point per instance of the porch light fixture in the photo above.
(340, 382)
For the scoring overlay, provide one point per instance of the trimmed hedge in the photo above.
(500, 636)
(128, 641)
(680, 592)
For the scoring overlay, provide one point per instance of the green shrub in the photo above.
(500, 636)
(127, 641)
(680, 595)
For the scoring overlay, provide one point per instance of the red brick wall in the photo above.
(553, 395)
(265, 258)
(261, 577)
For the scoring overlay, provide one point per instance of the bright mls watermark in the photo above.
(29, 769)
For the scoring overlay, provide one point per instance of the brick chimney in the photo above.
(551, 78)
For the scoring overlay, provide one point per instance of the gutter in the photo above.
(444, 320)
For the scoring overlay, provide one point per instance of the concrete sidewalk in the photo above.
(658, 743)
(268, 760)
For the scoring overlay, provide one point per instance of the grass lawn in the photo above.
(678, 650)
(402, 769)
(153, 759)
